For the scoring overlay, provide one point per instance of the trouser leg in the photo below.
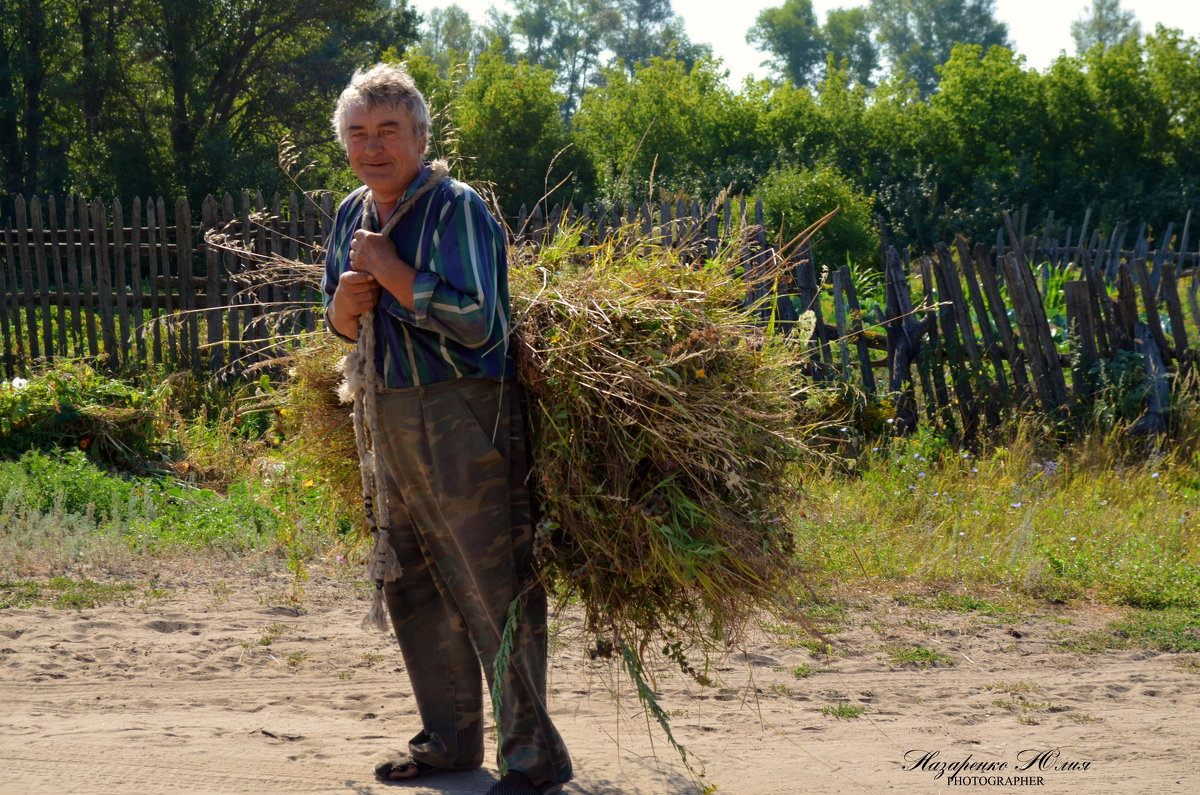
(463, 480)
(438, 655)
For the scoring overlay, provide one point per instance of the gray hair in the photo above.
(382, 85)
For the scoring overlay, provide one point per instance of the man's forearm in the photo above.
(397, 279)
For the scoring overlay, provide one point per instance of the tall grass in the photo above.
(1095, 520)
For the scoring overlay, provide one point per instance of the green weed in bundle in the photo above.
(317, 424)
(666, 429)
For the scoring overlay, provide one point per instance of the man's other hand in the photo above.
(356, 293)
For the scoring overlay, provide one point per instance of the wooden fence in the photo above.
(956, 336)
(83, 280)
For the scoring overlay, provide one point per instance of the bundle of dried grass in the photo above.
(667, 428)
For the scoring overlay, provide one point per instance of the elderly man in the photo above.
(449, 442)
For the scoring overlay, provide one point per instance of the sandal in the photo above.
(402, 763)
(517, 783)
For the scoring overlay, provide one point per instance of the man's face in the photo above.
(383, 150)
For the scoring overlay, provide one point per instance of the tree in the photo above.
(918, 35)
(1105, 25)
(791, 34)
(793, 198)
(33, 55)
(231, 76)
(512, 136)
(449, 37)
(847, 37)
(637, 36)
(667, 128)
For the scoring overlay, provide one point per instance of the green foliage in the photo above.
(1056, 524)
(512, 136)
(791, 34)
(62, 593)
(795, 198)
(667, 128)
(130, 99)
(1104, 25)
(918, 35)
(1121, 385)
(70, 405)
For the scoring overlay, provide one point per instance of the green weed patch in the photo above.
(62, 593)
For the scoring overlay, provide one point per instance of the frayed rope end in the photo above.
(376, 617)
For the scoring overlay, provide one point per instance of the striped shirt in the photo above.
(458, 327)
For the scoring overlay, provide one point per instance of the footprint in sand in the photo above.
(168, 626)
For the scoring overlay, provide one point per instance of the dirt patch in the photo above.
(212, 679)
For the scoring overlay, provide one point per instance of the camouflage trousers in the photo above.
(456, 464)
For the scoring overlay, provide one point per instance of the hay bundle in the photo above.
(665, 425)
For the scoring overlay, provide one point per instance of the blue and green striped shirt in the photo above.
(458, 327)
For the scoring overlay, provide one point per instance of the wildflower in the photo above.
(1015, 504)
(874, 449)
(1072, 538)
(843, 430)
(911, 487)
(961, 533)
(700, 373)
(916, 455)
(977, 514)
(920, 474)
(20, 383)
(973, 469)
(1104, 502)
(1153, 474)
(890, 421)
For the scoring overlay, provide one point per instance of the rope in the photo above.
(361, 385)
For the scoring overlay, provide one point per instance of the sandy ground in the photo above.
(216, 682)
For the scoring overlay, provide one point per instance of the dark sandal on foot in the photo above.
(386, 770)
(516, 783)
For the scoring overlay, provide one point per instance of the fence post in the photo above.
(30, 302)
(187, 272)
(174, 329)
(136, 281)
(212, 297)
(120, 282)
(1082, 330)
(903, 340)
(13, 353)
(1170, 290)
(69, 237)
(103, 281)
(1150, 302)
(1153, 421)
(152, 272)
(52, 215)
(38, 242)
(1035, 333)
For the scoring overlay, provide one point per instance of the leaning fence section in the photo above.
(954, 337)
